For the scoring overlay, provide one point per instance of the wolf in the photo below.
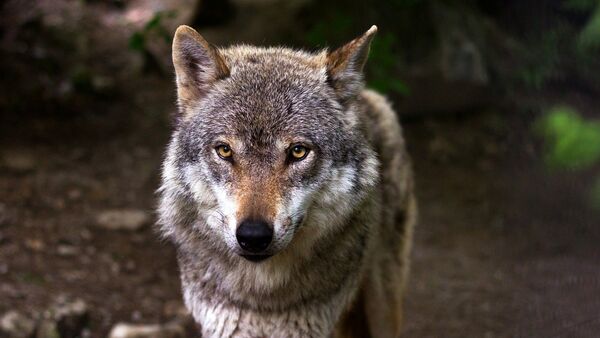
(287, 192)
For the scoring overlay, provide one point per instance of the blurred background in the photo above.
(500, 105)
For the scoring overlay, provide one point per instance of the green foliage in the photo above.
(406, 3)
(580, 5)
(589, 37)
(137, 41)
(382, 64)
(595, 194)
(572, 142)
(153, 28)
(381, 67)
(565, 47)
(330, 31)
(542, 60)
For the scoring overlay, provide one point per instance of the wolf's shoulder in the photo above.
(383, 126)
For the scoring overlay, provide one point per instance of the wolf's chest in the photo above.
(218, 320)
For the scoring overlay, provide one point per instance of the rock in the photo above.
(47, 328)
(122, 219)
(3, 239)
(4, 215)
(74, 194)
(19, 160)
(136, 316)
(177, 328)
(171, 330)
(12, 292)
(65, 319)
(175, 309)
(130, 266)
(35, 244)
(86, 235)
(71, 317)
(102, 83)
(15, 325)
(67, 250)
(458, 67)
(462, 39)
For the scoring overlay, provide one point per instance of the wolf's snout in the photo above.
(254, 236)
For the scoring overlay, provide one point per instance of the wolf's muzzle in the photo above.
(254, 236)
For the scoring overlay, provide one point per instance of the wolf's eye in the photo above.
(224, 151)
(298, 152)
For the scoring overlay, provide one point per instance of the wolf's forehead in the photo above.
(275, 94)
(267, 119)
(277, 108)
(275, 63)
(270, 94)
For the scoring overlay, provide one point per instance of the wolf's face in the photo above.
(267, 143)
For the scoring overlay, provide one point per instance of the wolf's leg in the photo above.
(353, 323)
(383, 304)
(385, 283)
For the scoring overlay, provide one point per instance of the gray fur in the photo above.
(342, 217)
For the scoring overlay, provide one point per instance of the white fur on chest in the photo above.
(221, 320)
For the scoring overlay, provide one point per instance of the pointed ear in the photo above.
(197, 63)
(345, 64)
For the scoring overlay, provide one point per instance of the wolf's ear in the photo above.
(197, 63)
(345, 64)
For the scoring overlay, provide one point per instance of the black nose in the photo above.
(254, 236)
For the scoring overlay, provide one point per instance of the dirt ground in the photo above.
(501, 249)
(504, 247)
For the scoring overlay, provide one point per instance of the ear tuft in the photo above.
(197, 63)
(345, 64)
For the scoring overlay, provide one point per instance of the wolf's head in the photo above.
(268, 148)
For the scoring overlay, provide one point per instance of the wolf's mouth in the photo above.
(256, 258)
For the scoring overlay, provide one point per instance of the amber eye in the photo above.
(298, 152)
(224, 151)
